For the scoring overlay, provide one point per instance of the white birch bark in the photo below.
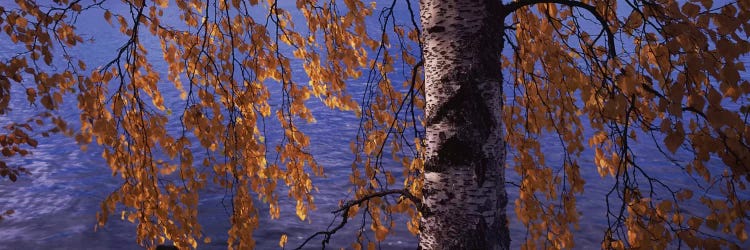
(464, 193)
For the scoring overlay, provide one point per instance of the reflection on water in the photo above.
(55, 206)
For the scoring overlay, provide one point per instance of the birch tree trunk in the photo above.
(464, 190)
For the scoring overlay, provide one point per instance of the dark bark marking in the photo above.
(473, 119)
(436, 29)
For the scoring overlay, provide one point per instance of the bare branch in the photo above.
(344, 212)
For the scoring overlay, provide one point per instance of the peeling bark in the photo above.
(464, 193)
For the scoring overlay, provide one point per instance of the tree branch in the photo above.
(344, 212)
(513, 6)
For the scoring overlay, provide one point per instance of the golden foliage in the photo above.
(676, 77)
(678, 83)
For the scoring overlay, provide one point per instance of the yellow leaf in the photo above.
(691, 10)
(675, 138)
(684, 194)
(380, 231)
(282, 241)
(695, 223)
(21, 21)
(162, 3)
(108, 17)
(301, 211)
(740, 232)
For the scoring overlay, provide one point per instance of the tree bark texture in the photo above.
(464, 193)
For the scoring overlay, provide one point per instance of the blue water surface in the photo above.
(55, 206)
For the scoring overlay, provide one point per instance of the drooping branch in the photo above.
(344, 212)
(513, 6)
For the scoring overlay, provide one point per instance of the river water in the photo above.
(55, 206)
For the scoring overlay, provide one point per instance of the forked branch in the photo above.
(344, 211)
